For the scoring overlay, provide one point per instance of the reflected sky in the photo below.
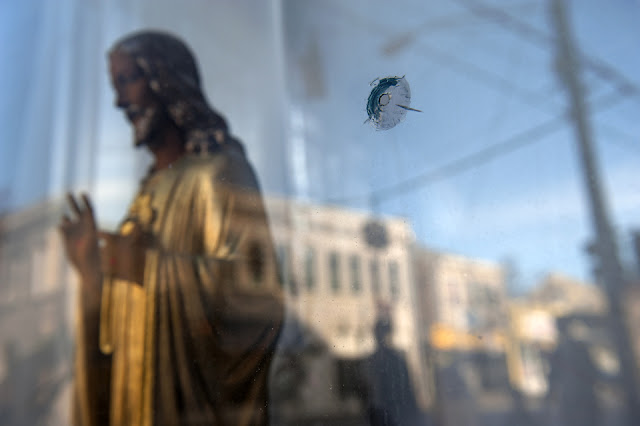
(480, 83)
(293, 79)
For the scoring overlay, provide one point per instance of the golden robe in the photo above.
(192, 344)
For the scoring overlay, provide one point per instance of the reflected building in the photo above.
(335, 279)
(35, 318)
(533, 332)
(563, 295)
(560, 347)
(466, 345)
(464, 333)
(465, 300)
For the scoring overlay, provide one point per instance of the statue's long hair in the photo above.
(172, 74)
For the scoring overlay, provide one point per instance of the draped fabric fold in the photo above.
(192, 344)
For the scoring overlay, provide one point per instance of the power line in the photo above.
(541, 38)
(515, 142)
(495, 81)
(399, 42)
(522, 28)
(536, 99)
(599, 68)
(484, 76)
(460, 165)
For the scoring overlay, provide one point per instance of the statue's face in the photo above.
(143, 109)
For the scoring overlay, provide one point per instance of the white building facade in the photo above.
(337, 282)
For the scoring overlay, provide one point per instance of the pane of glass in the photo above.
(365, 212)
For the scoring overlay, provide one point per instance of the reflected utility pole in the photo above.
(605, 252)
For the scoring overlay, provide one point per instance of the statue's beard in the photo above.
(147, 125)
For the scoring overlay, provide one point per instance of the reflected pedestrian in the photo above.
(390, 399)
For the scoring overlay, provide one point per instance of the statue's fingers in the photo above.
(87, 204)
(73, 204)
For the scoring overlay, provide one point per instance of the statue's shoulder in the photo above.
(215, 165)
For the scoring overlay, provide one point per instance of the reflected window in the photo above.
(288, 280)
(283, 261)
(394, 280)
(334, 268)
(354, 266)
(309, 268)
(374, 271)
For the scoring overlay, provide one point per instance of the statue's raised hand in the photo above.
(80, 236)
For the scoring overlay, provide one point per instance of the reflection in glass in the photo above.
(309, 268)
(394, 280)
(334, 268)
(354, 267)
(374, 273)
(478, 201)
